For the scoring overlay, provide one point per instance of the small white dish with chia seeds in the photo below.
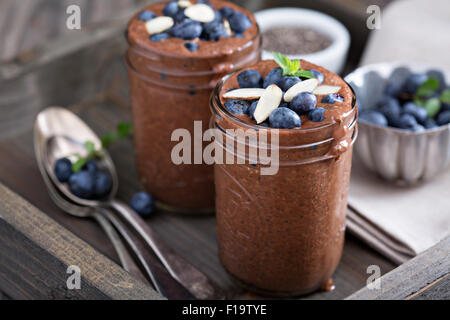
(304, 34)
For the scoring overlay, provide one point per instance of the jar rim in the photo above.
(216, 103)
(140, 50)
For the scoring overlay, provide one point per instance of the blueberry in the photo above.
(146, 15)
(332, 98)
(318, 75)
(239, 35)
(239, 22)
(214, 30)
(191, 46)
(417, 112)
(251, 109)
(443, 118)
(392, 90)
(413, 82)
(63, 169)
(226, 12)
(391, 109)
(284, 104)
(217, 16)
(103, 184)
(407, 121)
(250, 79)
(237, 106)
(273, 77)
(82, 184)
(91, 166)
(374, 117)
(187, 30)
(171, 9)
(284, 118)
(418, 128)
(143, 204)
(204, 2)
(303, 102)
(286, 82)
(445, 106)
(264, 124)
(316, 115)
(430, 124)
(179, 16)
(157, 37)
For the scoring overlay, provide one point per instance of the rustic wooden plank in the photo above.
(438, 290)
(36, 252)
(423, 276)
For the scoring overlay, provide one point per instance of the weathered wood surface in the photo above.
(35, 253)
(90, 79)
(26, 24)
(423, 277)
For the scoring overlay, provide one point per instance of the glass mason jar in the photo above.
(169, 92)
(282, 234)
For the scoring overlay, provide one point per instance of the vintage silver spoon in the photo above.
(68, 134)
(83, 212)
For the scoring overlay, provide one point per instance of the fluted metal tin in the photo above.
(397, 155)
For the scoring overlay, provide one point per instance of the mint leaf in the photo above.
(294, 66)
(304, 74)
(445, 96)
(428, 88)
(79, 164)
(419, 102)
(108, 139)
(124, 129)
(90, 147)
(282, 61)
(432, 106)
(291, 67)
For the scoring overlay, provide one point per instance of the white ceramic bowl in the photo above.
(333, 58)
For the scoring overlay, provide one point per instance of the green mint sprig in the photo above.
(124, 129)
(425, 97)
(291, 67)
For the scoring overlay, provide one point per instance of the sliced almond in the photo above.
(200, 12)
(269, 101)
(184, 3)
(159, 24)
(245, 93)
(326, 89)
(227, 27)
(304, 86)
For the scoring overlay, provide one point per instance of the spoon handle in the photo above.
(159, 276)
(181, 270)
(124, 256)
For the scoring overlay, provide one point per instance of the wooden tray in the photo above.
(38, 241)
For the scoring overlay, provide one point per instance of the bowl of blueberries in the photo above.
(404, 120)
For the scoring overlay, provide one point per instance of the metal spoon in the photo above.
(85, 212)
(68, 132)
(159, 276)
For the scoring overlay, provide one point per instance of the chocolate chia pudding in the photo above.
(283, 234)
(174, 62)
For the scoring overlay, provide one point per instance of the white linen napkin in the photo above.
(400, 222)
